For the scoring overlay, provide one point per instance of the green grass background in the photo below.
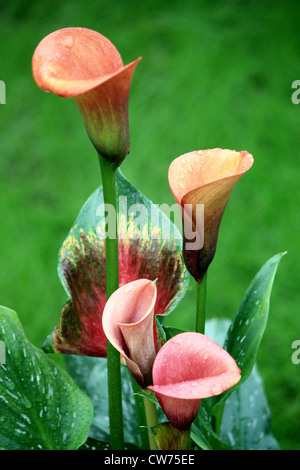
(213, 74)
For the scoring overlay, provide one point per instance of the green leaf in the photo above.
(247, 329)
(203, 433)
(246, 418)
(93, 444)
(40, 405)
(216, 329)
(171, 331)
(90, 374)
(248, 326)
(149, 247)
(198, 438)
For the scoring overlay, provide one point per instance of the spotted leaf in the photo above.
(40, 405)
(149, 247)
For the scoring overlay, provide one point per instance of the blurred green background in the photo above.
(213, 74)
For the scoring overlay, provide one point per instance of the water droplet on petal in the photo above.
(216, 390)
(68, 41)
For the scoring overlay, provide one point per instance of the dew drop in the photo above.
(216, 390)
(10, 386)
(68, 41)
(27, 404)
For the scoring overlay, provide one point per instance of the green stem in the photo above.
(217, 418)
(201, 288)
(112, 284)
(141, 414)
(152, 420)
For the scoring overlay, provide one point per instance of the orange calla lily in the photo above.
(205, 177)
(83, 64)
(189, 367)
(128, 323)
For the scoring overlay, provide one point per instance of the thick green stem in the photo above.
(112, 284)
(141, 414)
(217, 418)
(152, 420)
(201, 304)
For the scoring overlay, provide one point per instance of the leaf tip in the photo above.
(48, 345)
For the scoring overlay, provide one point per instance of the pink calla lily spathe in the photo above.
(85, 65)
(128, 323)
(189, 367)
(205, 177)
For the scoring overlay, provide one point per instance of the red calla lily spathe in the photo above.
(205, 177)
(189, 367)
(85, 65)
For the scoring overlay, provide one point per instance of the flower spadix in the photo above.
(204, 177)
(189, 367)
(128, 323)
(85, 65)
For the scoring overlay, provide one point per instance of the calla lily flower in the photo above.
(128, 323)
(83, 64)
(205, 177)
(189, 367)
